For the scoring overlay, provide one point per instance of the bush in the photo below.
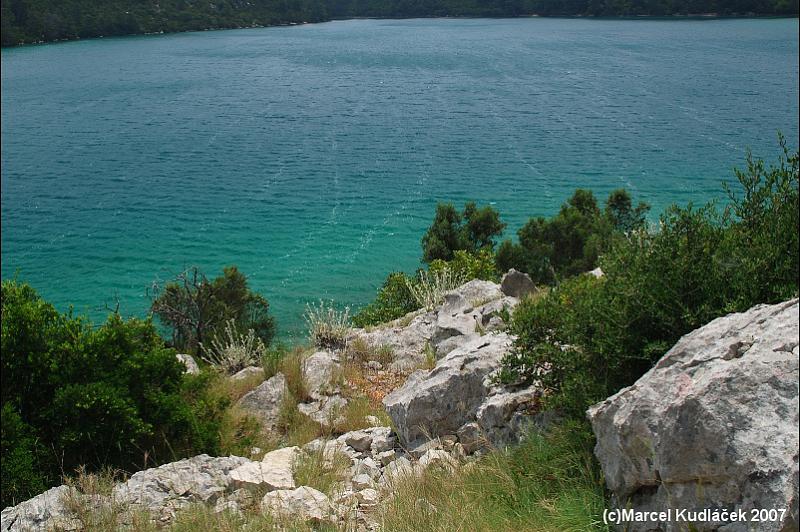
(571, 242)
(468, 266)
(473, 230)
(589, 337)
(196, 309)
(76, 395)
(431, 285)
(394, 300)
(328, 326)
(236, 351)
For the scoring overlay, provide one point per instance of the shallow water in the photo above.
(313, 156)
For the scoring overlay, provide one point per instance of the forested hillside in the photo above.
(26, 21)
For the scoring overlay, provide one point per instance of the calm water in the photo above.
(313, 156)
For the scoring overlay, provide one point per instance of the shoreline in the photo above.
(677, 17)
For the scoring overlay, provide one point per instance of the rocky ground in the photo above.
(719, 411)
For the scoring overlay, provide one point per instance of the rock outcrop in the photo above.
(438, 402)
(264, 402)
(517, 284)
(713, 425)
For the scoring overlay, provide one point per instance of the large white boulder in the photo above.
(197, 479)
(438, 402)
(713, 425)
(43, 512)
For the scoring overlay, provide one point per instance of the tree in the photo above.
(621, 213)
(473, 230)
(197, 309)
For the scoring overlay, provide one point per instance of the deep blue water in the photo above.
(313, 156)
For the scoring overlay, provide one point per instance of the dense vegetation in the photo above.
(115, 396)
(570, 242)
(26, 21)
(595, 336)
(197, 309)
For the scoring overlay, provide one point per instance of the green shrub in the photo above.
(479, 265)
(473, 230)
(571, 242)
(105, 396)
(196, 309)
(394, 300)
(590, 337)
(23, 473)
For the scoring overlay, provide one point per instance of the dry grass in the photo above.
(328, 326)
(291, 365)
(321, 472)
(549, 483)
(360, 350)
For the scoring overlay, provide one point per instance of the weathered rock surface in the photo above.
(305, 503)
(517, 284)
(407, 337)
(713, 425)
(189, 363)
(247, 373)
(46, 510)
(273, 472)
(438, 402)
(318, 371)
(504, 416)
(264, 402)
(478, 292)
(197, 479)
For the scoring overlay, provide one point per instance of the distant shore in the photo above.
(692, 16)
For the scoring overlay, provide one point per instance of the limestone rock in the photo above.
(517, 284)
(438, 458)
(471, 437)
(189, 363)
(358, 439)
(273, 472)
(407, 337)
(440, 401)
(597, 273)
(39, 513)
(327, 411)
(304, 502)
(368, 497)
(495, 414)
(197, 479)
(264, 402)
(318, 370)
(478, 291)
(713, 424)
(248, 372)
(456, 323)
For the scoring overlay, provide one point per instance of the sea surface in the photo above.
(313, 156)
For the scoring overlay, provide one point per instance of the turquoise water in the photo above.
(313, 156)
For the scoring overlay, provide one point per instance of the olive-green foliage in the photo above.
(47, 20)
(596, 336)
(76, 395)
(22, 456)
(394, 300)
(197, 309)
(464, 265)
(571, 242)
(473, 230)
